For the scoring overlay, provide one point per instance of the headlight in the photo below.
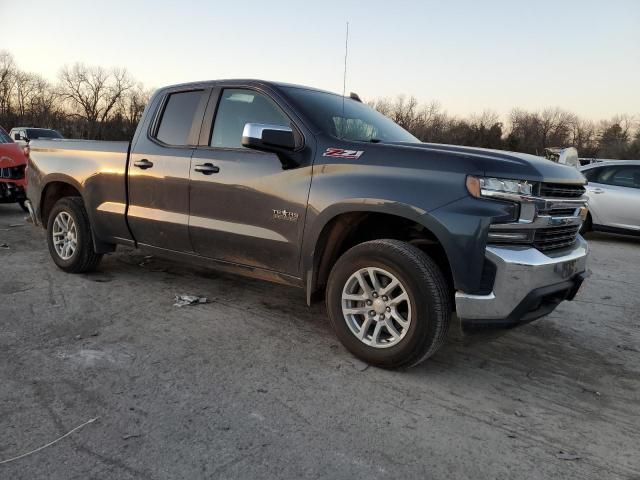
(497, 187)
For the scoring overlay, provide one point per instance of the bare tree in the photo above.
(26, 89)
(614, 136)
(132, 105)
(7, 81)
(93, 93)
(584, 137)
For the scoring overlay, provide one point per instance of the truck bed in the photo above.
(97, 169)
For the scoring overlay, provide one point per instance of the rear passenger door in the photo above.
(614, 196)
(159, 167)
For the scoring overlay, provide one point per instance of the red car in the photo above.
(13, 162)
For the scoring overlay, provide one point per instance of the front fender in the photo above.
(460, 227)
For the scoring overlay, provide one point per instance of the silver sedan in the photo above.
(614, 196)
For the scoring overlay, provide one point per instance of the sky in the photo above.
(582, 56)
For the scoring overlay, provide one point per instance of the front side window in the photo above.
(178, 117)
(592, 174)
(236, 108)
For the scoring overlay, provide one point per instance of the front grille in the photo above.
(561, 190)
(12, 173)
(553, 238)
(553, 224)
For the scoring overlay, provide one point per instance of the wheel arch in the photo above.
(334, 234)
(53, 190)
(62, 186)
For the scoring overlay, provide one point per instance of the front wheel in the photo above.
(389, 303)
(69, 237)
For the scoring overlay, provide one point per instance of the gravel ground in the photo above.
(254, 384)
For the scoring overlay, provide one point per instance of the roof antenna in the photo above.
(344, 79)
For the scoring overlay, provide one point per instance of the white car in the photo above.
(614, 196)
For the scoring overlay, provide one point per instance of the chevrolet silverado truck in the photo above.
(319, 191)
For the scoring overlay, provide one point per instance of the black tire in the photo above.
(23, 206)
(587, 225)
(84, 259)
(425, 285)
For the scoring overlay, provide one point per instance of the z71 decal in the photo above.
(341, 153)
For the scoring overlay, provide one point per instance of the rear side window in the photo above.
(178, 117)
(4, 137)
(627, 176)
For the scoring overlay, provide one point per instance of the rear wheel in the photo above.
(388, 303)
(69, 237)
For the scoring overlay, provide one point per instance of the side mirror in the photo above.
(268, 138)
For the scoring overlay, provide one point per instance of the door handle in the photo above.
(143, 164)
(207, 168)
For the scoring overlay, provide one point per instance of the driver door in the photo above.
(245, 208)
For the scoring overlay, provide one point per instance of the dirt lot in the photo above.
(254, 384)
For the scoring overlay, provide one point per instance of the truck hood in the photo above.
(500, 163)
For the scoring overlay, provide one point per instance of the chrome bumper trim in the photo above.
(519, 271)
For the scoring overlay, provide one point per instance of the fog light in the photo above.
(509, 236)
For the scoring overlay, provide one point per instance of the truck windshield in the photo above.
(357, 122)
(33, 133)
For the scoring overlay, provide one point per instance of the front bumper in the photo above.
(12, 191)
(528, 284)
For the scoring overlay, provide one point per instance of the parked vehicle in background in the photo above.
(562, 155)
(13, 162)
(319, 191)
(25, 134)
(613, 190)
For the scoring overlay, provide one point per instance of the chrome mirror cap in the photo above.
(256, 130)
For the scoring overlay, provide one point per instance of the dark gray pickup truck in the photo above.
(312, 189)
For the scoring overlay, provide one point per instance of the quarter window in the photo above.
(236, 108)
(178, 117)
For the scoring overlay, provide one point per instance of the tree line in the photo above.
(97, 103)
(85, 102)
(525, 131)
